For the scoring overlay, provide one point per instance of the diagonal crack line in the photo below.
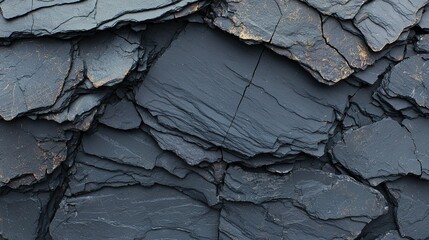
(242, 96)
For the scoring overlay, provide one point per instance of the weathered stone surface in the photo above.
(133, 147)
(412, 201)
(87, 15)
(91, 173)
(344, 9)
(11, 8)
(121, 115)
(305, 204)
(30, 150)
(378, 152)
(293, 27)
(32, 75)
(128, 213)
(109, 57)
(382, 21)
(404, 87)
(391, 235)
(422, 43)
(237, 99)
(350, 46)
(20, 214)
(419, 130)
(372, 73)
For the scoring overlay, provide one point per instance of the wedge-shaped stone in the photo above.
(383, 21)
(344, 9)
(121, 115)
(378, 152)
(109, 56)
(134, 213)
(133, 147)
(303, 203)
(32, 74)
(87, 15)
(293, 27)
(412, 206)
(258, 103)
(30, 150)
(11, 8)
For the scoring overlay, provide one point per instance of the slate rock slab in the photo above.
(243, 107)
(383, 21)
(378, 152)
(344, 9)
(30, 150)
(303, 204)
(32, 75)
(128, 213)
(11, 9)
(411, 198)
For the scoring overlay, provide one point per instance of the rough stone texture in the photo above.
(241, 89)
(29, 151)
(127, 213)
(23, 65)
(382, 21)
(344, 9)
(361, 153)
(411, 200)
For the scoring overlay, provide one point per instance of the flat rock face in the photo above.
(301, 205)
(29, 151)
(127, 213)
(228, 119)
(382, 21)
(361, 152)
(238, 98)
(344, 9)
(294, 27)
(33, 74)
(411, 200)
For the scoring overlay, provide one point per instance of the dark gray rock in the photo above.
(344, 9)
(29, 151)
(424, 22)
(383, 21)
(390, 235)
(11, 8)
(372, 73)
(20, 214)
(422, 43)
(305, 204)
(87, 15)
(91, 173)
(378, 152)
(133, 147)
(33, 75)
(293, 27)
(110, 56)
(411, 200)
(121, 115)
(404, 87)
(247, 102)
(350, 46)
(134, 213)
(419, 130)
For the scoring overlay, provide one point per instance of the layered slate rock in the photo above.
(383, 21)
(91, 173)
(419, 130)
(344, 9)
(30, 150)
(87, 15)
(24, 210)
(378, 152)
(33, 75)
(294, 29)
(236, 99)
(109, 57)
(404, 87)
(305, 204)
(411, 198)
(11, 9)
(121, 115)
(128, 213)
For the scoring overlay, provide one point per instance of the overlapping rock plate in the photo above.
(227, 119)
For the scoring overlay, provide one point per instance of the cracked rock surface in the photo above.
(214, 119)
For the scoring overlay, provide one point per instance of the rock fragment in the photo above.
(121, 115)
(344, 9)
(383, 21)
(378, 152)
